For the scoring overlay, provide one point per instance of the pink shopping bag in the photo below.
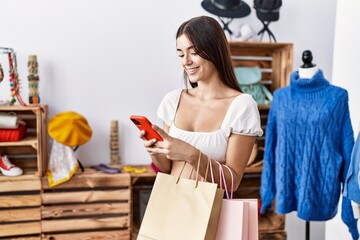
(238, 217)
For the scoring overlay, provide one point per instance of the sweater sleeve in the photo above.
(347, 143)
(268, 186)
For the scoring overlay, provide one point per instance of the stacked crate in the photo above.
(92, 205)
(20, 207)
(275, 61)
(20, 200)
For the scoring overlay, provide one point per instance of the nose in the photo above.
(186, 60)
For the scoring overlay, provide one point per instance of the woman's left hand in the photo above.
(174, 148)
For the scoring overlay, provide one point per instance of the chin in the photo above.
(193, 80)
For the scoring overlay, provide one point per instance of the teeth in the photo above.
(192, 70)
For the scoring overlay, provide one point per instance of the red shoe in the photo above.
(9, 169)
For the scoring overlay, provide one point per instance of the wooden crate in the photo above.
(92, 205)
(276, 63)
(31, 153)
(274, 59)
(20, 207)
(273, 235)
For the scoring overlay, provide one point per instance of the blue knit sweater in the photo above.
(308, 144)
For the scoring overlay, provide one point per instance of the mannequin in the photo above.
(308, 69)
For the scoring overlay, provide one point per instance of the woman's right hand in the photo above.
(160, 160)
(147, 143)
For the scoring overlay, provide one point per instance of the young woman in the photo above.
(212, 119)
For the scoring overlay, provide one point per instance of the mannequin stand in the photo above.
(266, 29)
(307, 230)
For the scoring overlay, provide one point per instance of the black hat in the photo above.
(226, 8)
(267, 10)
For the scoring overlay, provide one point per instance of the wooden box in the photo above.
(31, 153)
(91, 205)
(20, 207)
(275, 61)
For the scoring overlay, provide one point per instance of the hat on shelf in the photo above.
(69, 128)
(226, 8)
(267, 10)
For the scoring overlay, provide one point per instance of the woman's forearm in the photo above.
(216, 172)
(161, 162)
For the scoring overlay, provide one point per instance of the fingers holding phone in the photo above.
(143, 124)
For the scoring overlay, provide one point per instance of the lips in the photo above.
(191, 70)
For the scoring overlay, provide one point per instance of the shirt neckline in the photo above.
(217, 130)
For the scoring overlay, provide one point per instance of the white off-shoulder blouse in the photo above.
(242, 117)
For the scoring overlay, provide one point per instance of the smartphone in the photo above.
(143, 123)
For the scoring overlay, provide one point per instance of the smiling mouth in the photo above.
(192, 70)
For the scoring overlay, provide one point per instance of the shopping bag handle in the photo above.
(223, 180)
(206, 172)
(197, 171)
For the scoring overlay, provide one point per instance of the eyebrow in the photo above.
(189, 48)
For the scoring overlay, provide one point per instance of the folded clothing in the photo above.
(13, 135)
(10, 121)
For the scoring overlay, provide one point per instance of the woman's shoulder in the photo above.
(167, 108)
(173, 94)
(244, 100)
(243, 116)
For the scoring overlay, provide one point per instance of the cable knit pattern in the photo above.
(309, 139)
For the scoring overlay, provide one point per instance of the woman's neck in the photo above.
(307, 72)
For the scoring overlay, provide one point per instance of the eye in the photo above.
(181, 55)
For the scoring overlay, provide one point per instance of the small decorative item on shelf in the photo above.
(114, 143)
(106, 169)
(13, 76)
(9, 169)
(33, 78)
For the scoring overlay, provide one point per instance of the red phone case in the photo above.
(142, 123)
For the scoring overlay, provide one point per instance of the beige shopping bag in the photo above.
(180, 209)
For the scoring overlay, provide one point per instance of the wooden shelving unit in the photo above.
(20, 199)
(276, 63)
(31, 153)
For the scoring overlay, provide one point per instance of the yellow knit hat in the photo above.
(69, 128)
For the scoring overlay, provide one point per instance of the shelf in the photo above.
(264, 107)
(28, 141)
(21, 108)
(253, 169)
(27, 175)
(32, 151)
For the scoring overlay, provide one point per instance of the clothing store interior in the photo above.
(182, 119)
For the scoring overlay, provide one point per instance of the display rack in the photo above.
(31, 153)
(276, 63)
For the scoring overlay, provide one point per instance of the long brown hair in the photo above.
(210, 43)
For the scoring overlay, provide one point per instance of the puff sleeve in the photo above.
(243, 117)
(167, 107)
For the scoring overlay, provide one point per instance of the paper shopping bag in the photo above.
(238, 217)
(233, 221)
(180, 208)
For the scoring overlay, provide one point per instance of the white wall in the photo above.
(345, 74)
(109, 59)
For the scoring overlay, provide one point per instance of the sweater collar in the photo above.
(314, 84)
